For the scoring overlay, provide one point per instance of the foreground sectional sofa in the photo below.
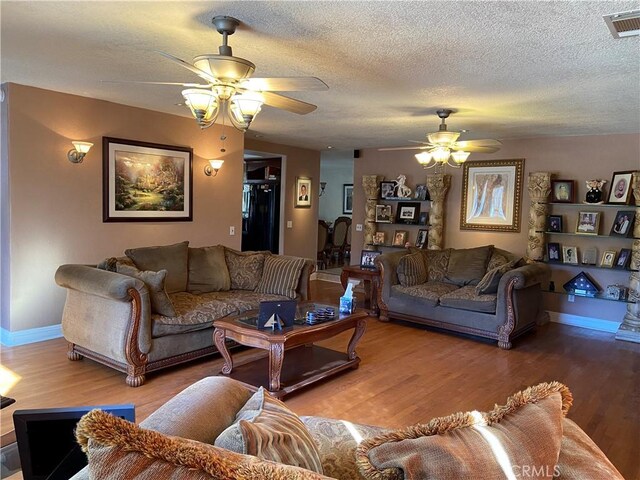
(483, 291)
(155, 306)
(217, 429)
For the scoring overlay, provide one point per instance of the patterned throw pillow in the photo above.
(245, 269)
(412, 270)
(172, 258)
(280, 276)
(437, 262)
(267, 429)
(525, 432)
(491, 280)
(160, 301)
(117, 448)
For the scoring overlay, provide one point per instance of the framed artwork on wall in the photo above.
(491, 195)
(620, 188)
(303, 193)
(562, 191)
(146, 182)
(347, 198)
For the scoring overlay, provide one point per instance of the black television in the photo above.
(46, 440)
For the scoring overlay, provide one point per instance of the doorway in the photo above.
(261, 193)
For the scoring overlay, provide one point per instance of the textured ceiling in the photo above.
(510, 69)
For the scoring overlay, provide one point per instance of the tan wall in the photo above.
(579, 158)
(56, 206)
(302, 238)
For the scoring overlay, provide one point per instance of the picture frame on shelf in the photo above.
(623, 224)
(553, 252)
(491, 195)
(347, 198)
(379, 238)
(421, 239)
(570, 254)
(163, 194)
(421, 192)
(384, 214)
(400, 238)
(590, 256)
(608, 258)
(554, 223)
(616, 292)
(624, 259)
(620, 190)
(424, 218)
(588, 223)
(408, 213)
(387, 189)
(303, 194)
(563, 191)
(368, 257)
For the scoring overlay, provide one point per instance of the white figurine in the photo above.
(402, 191)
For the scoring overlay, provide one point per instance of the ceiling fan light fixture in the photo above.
(440, 154)
(443, 137)
(203, 104)
(460, 156)
(424, 158)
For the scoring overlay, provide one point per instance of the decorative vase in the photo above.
(594, 194)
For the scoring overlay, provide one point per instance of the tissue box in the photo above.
(347, 305)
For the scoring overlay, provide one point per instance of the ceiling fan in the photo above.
(228, 86)
(443, 148)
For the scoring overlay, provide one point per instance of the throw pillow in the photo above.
(245, 268)
(280, 275)
(491, 280)
(208, 270)
(412, 270)
(155, 282)
(526, 432)
(267, 429)
(172, 258)
(117, 448)
(111, 264)
(467, 266)
(437, 262)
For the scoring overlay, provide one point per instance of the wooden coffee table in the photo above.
(305, 363)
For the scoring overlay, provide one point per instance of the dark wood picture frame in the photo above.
(620, 190)
(624, 259)
(135, 172)
(623, 224)
(387, 189)
(403, 208)
(554, 253)
(563, 191)
(554, 223)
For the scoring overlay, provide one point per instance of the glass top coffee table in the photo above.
(305, 363)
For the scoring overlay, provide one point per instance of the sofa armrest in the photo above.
(305, 276)
(113, 304)
(201, 411)
(387, 264)
(526, 276)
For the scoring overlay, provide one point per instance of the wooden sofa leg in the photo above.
(504, 344)
(72, 354)
(135, 375)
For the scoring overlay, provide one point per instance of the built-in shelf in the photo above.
(395, 199)
(425, 227)
(385, 246)
(584, 265)
(588, 205)
(587, 235)
(599, 296)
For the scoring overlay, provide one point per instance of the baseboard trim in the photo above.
(31, 335)
(585, 322)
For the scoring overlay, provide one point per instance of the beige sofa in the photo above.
(155, 307)
(528, 435)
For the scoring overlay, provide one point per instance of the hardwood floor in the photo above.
(407, 375)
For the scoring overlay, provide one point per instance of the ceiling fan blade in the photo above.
(188, 66)
(190, 85)
(289, 104)
(284, 84)
(421, 142)
(480, 146)
(389, 149)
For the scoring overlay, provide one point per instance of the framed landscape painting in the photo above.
(146, 182)
(491, 195)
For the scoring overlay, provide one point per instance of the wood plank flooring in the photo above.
(408, 375)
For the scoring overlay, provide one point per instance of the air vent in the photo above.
(625, 24)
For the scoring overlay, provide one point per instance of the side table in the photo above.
(370, 278)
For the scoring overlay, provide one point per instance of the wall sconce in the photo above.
(76, 155)
(211, 170)
(322, 187)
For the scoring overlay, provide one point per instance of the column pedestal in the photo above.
(438, 185)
